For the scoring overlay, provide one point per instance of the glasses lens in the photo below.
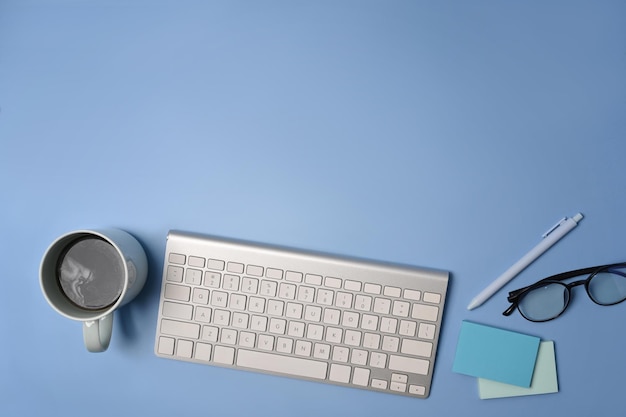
(609, 286)
(544, 303)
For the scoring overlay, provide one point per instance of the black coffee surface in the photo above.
(91, 273)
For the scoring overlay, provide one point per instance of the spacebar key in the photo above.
(283, 364)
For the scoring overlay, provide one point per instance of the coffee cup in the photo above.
(86, 275)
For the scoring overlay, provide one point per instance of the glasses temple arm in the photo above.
(513, 295)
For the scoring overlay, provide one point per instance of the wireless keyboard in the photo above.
(311, 316)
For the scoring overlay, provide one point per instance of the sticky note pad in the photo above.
(496, 354)
(544, 378)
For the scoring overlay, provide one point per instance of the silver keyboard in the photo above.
(311, 316)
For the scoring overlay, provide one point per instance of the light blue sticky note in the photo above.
(496, 354)
(544, 378)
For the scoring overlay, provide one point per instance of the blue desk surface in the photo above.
(440, 134)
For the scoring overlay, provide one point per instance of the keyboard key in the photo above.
(294, 311)
(283, 364)
(412, 365)
(369, 322)
(303, 348)
(378, 360)
(417, 389)
(254, 270)
(212, 279)
(200, 296)
(416, 348)
(407, 328)
(388, 325)
(235, 267)
(397, 386)
(339, 373)
(379, 383)
(424, 312)
(196, 261)
(306, 294)
(284, 345)
(224, 355)
(174, 273)
(184, 348)
(240, 320)
(293, 276)
(215, 264)
(321, 351)
(258, 323)
(177, 292)
(401, 308)
(177, 310)
(228, 336)
(312, 313)
(325, 297)
(203, 352)
(372, 288)
(231, 282)
(392, 292)
(193, 276)
(371, 341)
(353, 286)
(266, 342)
(210, 333)
(334, 335)
(268, 288)
(166, 345)
(331, 316)
(390, 343)
(430, 297)
(180, 329)
(363, 303)
(358, 357)
(399, 378)
(219, 298)
(343, 300)
(177, 258)
(296, 329)
(247, 339)
(341, 354)
(249, 285)
(237, 302)
(274, 273)
(287, 291)
(332, 282)
(257, 305)
(382, 306)
(350, 319)
(203, 314)
(426, 331)
(361, 377)
(313, 279)
(412, 295)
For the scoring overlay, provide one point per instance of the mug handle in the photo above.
(97, 333)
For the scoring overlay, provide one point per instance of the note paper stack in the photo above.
(506, 363)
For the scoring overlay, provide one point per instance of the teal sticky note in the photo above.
(544, 378)
(496, 354)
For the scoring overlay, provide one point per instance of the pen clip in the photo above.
(554, 227)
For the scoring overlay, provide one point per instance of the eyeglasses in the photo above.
(547, 299)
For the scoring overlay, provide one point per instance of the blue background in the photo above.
(440, 134)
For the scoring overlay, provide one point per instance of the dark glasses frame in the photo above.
(516, 296)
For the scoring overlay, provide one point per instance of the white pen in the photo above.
(549, 238)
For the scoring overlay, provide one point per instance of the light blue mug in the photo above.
(86, 275)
